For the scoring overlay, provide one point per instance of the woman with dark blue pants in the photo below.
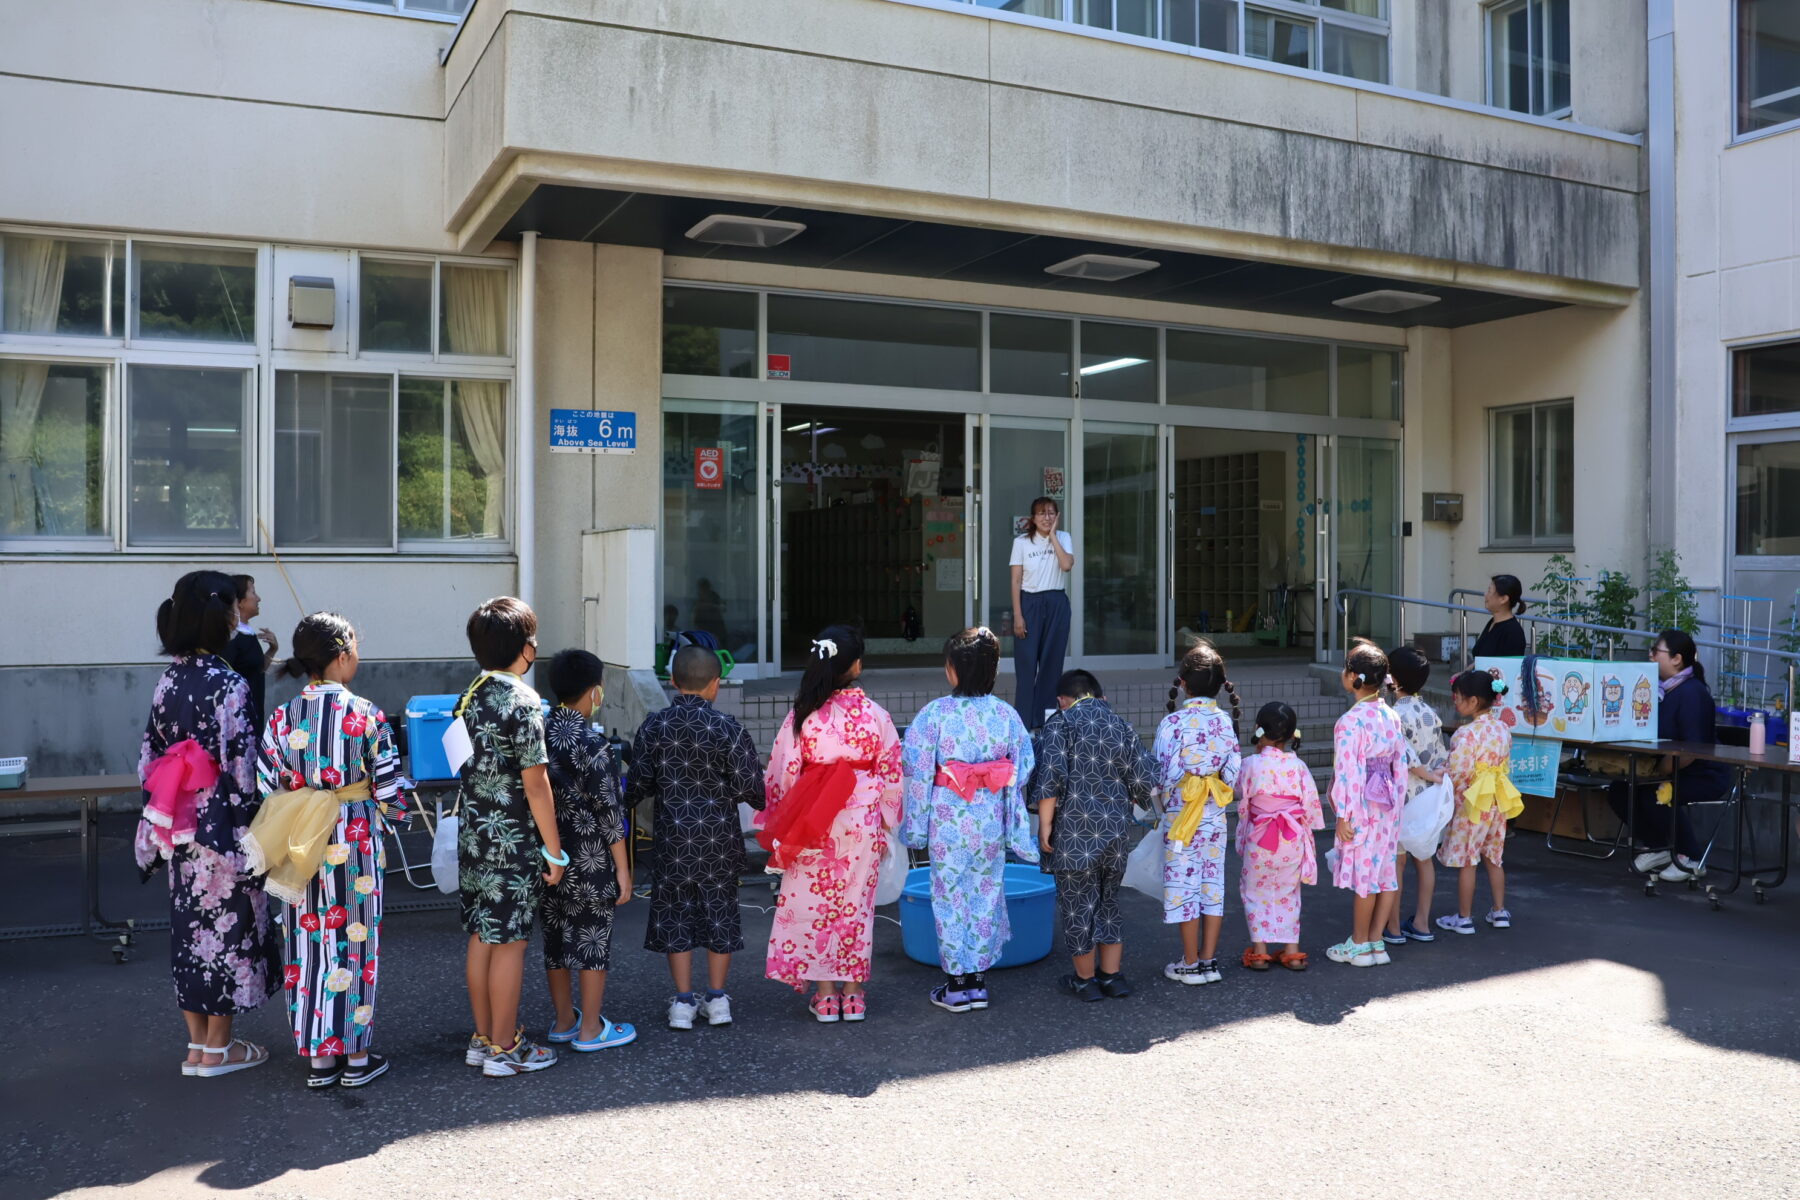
(1041, 560)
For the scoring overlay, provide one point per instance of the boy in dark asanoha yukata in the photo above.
(507, 846)
(696, 765)
(1091, 768)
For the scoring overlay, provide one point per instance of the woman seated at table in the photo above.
(1686, 715)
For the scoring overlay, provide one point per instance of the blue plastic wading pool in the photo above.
(1030, 910)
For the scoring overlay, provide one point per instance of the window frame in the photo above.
(475, 547)
(399, 359)
(273, 474)
(1492, 12)
(112, 463)
(1739, 108)
(1535, 540)
(253, 432)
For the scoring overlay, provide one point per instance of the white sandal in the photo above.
(191, 1068)
(254, 1056)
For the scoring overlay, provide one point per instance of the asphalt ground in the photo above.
(1608, 1044)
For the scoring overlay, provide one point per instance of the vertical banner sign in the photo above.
(781, 366)
(709, 468)
(1534, 765)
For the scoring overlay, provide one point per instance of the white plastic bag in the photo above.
(1423, 820)
(443, 853)
(890, 881)
(1144, 866)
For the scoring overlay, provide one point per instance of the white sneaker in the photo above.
(1192, 974)
(1683, 868)
(717, 1010)
(1378, 952)
(1651, 861)
(681, 1014)
(1212, 970)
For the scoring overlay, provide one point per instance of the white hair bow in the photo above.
(825, 648)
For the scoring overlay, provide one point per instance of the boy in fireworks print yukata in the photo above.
(1093, 769)
(695, 765)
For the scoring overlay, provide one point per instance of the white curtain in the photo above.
(32, 290)
(481, 411)
(475, 314)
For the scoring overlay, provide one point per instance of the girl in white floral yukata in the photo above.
(1409, 669)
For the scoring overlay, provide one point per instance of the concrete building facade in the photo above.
(1315, 265)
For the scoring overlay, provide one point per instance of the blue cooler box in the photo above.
(427, 717)
(1030, 910)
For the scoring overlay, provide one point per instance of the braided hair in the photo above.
(1202, 673)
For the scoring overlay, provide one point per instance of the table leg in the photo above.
(90, 863)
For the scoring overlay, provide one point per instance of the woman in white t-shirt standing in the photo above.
(1041, 560)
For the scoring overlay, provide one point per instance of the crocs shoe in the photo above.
(1394, 939)
(610, 1035)
(1414, 934)
(1453, 923)
(565, 1035)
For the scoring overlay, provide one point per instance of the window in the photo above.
(453, 459)
(1768, 498)
(828, 340)
(62, 286)
(1766, 380)
(1768, 64)
(1278, 39)
(474, 313)
(52, 449)
(1222, 370)
(193, 293)
(394, 307)
(1354, 53)
(1118, 362)
(1528, 57)
(708, 332)
(334, 459)
(1532, 474)
(1368, 383)
(1209, 24)
(185, 480)
(1030, 356)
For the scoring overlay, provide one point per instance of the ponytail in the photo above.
(318, 641)
(833, 653)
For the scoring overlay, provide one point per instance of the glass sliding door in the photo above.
(1367, 533)
(710, 516)
(1022, 458)
(1119, 548)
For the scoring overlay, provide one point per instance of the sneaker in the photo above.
(1414, 933)
(716, 1009)
(1192, 974)
(1357, 954)
(978, 995)
(825, 1009)
(1394, 939)
(1115, 986)
(318, 1077)
(1085, 990)
(1379, 952)
(1455, 923)
(479, 1051)
(1499, 918)
(1211, 967)
(1682, 869)
(951, 1001)
(1651, 861)
(369, 1072)
(854, 1006)
(525, 1057)
(681, 1013)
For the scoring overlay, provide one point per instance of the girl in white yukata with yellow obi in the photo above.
(1197, 761)
(966, 759)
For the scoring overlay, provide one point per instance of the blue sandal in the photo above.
(610, 1035)
(565, 1035)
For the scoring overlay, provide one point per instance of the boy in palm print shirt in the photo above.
(578, 912)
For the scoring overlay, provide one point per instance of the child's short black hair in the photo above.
(500, 630)
(1479, 686)
(694, 668)
(198, 614)
(1079, 683)
(573, 672)
(975, 656)
(1277, 722)
(1409, 668)
(317, 642)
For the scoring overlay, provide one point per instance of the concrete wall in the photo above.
(1606, 55)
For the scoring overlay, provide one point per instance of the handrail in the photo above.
(1636, 616)
(1791, 658)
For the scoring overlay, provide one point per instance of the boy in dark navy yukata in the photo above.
(1091, 768)
(696, 765)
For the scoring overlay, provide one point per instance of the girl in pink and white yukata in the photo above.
(1275, 838)
(1368, 790)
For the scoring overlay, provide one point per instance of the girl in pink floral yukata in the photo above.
(1275, 840)
(1368, 790)
(1480, 765)
(833, 786)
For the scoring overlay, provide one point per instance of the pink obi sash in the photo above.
(175, 782)
(1269, 827)
(965, 779)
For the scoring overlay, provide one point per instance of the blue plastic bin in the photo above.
(1030, 910)
(427, 717)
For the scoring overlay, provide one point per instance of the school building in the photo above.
(1278, 298)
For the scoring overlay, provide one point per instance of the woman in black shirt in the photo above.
(1503, 636)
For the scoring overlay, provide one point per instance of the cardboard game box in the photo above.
(1580, 700)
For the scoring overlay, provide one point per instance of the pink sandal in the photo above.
(824, 1008)
(855, 1008)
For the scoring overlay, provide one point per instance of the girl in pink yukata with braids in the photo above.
(1275, 838)
(1368, 789)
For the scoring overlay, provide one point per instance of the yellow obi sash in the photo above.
(1196, 790)
(1493, 788)
(288, 834)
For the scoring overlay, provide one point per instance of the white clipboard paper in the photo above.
(458, 749)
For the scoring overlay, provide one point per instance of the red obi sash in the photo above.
(965, 779)
(1271, 827)
(175, 782)
(802, 820)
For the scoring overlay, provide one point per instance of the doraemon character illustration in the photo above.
(1575, 694)
(1612, 699)
(1640, 701)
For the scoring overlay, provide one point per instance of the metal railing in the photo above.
(1478, 593)
(1612, 636)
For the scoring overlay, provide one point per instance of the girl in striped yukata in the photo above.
(330, 778)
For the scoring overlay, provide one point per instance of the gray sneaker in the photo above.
(716, 1009)
(525, 1056)
(1651, 861)
(479, 1051)
(682, 1013)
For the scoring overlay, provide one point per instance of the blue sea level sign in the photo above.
(592, 431)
